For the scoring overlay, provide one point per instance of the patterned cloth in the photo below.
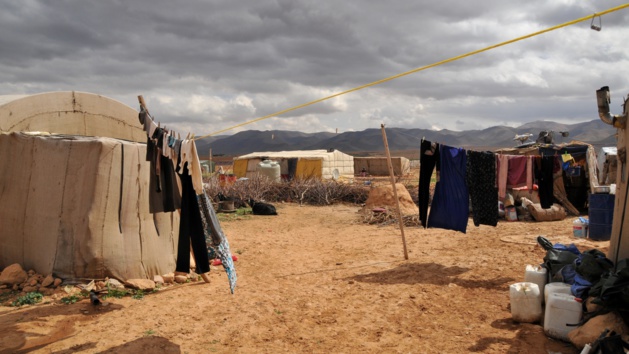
(481, 183)
(215, 240)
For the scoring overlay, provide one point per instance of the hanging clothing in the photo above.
(215, 239)
(513, 171)
(164, 194)
(481, 183)
(428, 159)
(545, 181)
(450, 205)
(191, 232)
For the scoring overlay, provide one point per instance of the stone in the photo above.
(169, 278)
(593, 328)
(140, 284)
(48, 280)
(181, 279)
(13, 274)
(47, 291)
(29, 289)
(114, 283)
(32, 281)
(158, 279)
(30, 272)
(57, 282)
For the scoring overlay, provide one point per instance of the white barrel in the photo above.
(536, 274)
(557, 287)
(526, 302)
(270, 169)
(563, 312)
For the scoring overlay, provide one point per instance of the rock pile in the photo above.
(14, 278)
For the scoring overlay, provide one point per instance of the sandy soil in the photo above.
(317, 280)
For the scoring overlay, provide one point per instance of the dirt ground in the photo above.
(318, 280)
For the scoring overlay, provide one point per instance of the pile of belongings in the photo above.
(602, 286)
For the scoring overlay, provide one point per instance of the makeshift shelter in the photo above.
(326, 164)
(78, 193)
(571, 190)
(377, 166)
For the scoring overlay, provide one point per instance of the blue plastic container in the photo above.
(601, 215)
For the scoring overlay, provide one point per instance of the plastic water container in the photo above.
(580, 227)
(511, 214)
(526, 302)
(556, 288)
(536, 274)
(270, 169)
(562, 310)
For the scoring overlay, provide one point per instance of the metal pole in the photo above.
(397, 201)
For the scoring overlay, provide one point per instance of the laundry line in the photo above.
(565, 24)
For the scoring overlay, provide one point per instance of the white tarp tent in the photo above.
(78, 206)
(307, 163)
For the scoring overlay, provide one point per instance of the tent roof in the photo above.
(312, 154)
(72, 113)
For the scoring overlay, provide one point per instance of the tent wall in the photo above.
(378, 166)
(309, 168)
(75, 113)
(79, 208)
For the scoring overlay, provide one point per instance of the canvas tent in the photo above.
(299, 164)
(378, 166)
(78, 190)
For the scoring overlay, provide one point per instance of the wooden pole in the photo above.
(211, 167)
(397, 201)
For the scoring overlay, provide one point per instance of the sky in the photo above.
(205, 66)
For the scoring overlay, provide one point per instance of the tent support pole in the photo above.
(397, 201)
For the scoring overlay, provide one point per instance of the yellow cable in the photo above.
(589, 17)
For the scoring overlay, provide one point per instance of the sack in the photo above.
(613, 288)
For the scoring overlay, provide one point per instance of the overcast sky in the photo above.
(203, 66)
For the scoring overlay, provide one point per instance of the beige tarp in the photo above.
(78, 207)
(71, 112)
(377, 166)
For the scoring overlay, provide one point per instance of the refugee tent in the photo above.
(326, 164)
(571, 190)
(74, 173)
(377, 166)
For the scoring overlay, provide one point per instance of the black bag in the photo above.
(612, 290)
(555, 259)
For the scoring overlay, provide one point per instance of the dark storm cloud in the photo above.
(207, 65)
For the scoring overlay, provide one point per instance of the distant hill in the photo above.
(594, 132)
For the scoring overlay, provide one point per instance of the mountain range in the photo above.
(594, 132)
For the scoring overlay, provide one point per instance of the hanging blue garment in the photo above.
(450, 204)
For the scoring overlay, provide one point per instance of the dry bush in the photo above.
(312, 191)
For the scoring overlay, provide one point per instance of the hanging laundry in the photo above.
(191, 232)
(215, 239)
(450, 205)
(513, 171)
(481, 183)
(545, 181)
(428, 159)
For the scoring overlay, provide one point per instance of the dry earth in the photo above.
(317, 280)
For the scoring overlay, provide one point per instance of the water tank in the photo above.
(270, 169)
